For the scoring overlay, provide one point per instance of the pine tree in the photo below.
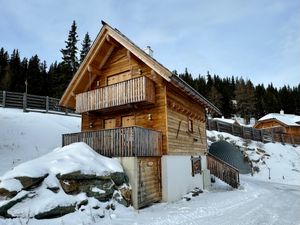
(86, 45)
(34, 76)
(215, 97)
(15, 72)
(69, 57)
(245, 98)
(4, 59)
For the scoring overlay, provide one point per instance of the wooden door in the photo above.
(149, 180)
(128, 121)
(109, 123)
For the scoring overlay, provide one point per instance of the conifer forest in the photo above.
(232, 95)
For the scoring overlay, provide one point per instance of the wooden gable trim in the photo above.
(140, 54)
(97, 44)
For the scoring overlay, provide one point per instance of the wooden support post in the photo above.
(47, 104)
(4, 99)
(24, 102)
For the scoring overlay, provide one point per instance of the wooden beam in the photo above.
(141, 55)
(106, 56)
(77, 78)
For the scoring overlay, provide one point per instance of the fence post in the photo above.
(47, 104)
(242, 132)
(24, 102)
(218, 128)
(4, 99)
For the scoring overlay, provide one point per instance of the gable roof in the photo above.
(286, 119)
(106, 34)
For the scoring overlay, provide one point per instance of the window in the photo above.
(190, 125)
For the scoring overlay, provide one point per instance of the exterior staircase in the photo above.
(223, 170)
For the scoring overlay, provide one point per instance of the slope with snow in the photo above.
(24, 136)
(283, 161)
(256, 202)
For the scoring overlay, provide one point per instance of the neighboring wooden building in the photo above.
(134, 108)
(280, 122)
(283, 126)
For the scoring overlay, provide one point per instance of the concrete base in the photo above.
(177, 179)
(130, 167)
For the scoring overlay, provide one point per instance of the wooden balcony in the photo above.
(120, 142)
(137, 90)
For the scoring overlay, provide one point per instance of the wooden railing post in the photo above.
(24, 102)
(47, 104)
(4, 99)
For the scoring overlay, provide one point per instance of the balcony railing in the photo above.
(223, 170)
(135, 90)
(120, 142)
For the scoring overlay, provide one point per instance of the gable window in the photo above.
(190, 125)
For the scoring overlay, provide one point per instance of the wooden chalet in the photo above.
(284, 127)
(134, 108)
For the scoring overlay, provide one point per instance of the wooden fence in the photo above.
(263, 135)
(120, 142)
(223, 170)
(29, 102)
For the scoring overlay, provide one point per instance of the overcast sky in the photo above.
(256, 39)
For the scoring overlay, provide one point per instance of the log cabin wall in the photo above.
(185, 138)
(292, 130)
(270, 124)
(149, 116)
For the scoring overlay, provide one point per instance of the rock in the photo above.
(86, 186)
(11, 203)
(58, 211)
(53, 189)
(119, 178)
(117, 196)
(187, 198)
(7, 194)
(96, 207)
(83, 202)
(77, 175)
(106, 185)
(126, 194)
(70, 186)
(30, 182)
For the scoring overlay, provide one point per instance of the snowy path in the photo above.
(259, 203)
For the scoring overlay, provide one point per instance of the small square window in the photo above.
(190, 125)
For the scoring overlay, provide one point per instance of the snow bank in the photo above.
(68, 159)
(25, 136)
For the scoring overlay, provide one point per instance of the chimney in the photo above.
(149, 51)
(281, 112)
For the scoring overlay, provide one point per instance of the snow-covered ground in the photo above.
(24, 136)
(283, 161)
(256, 202)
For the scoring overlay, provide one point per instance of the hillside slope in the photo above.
(24, 136)
(283, 161)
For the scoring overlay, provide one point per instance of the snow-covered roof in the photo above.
(288, 119)
(230, 121)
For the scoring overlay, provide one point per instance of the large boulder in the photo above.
(99, 189)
